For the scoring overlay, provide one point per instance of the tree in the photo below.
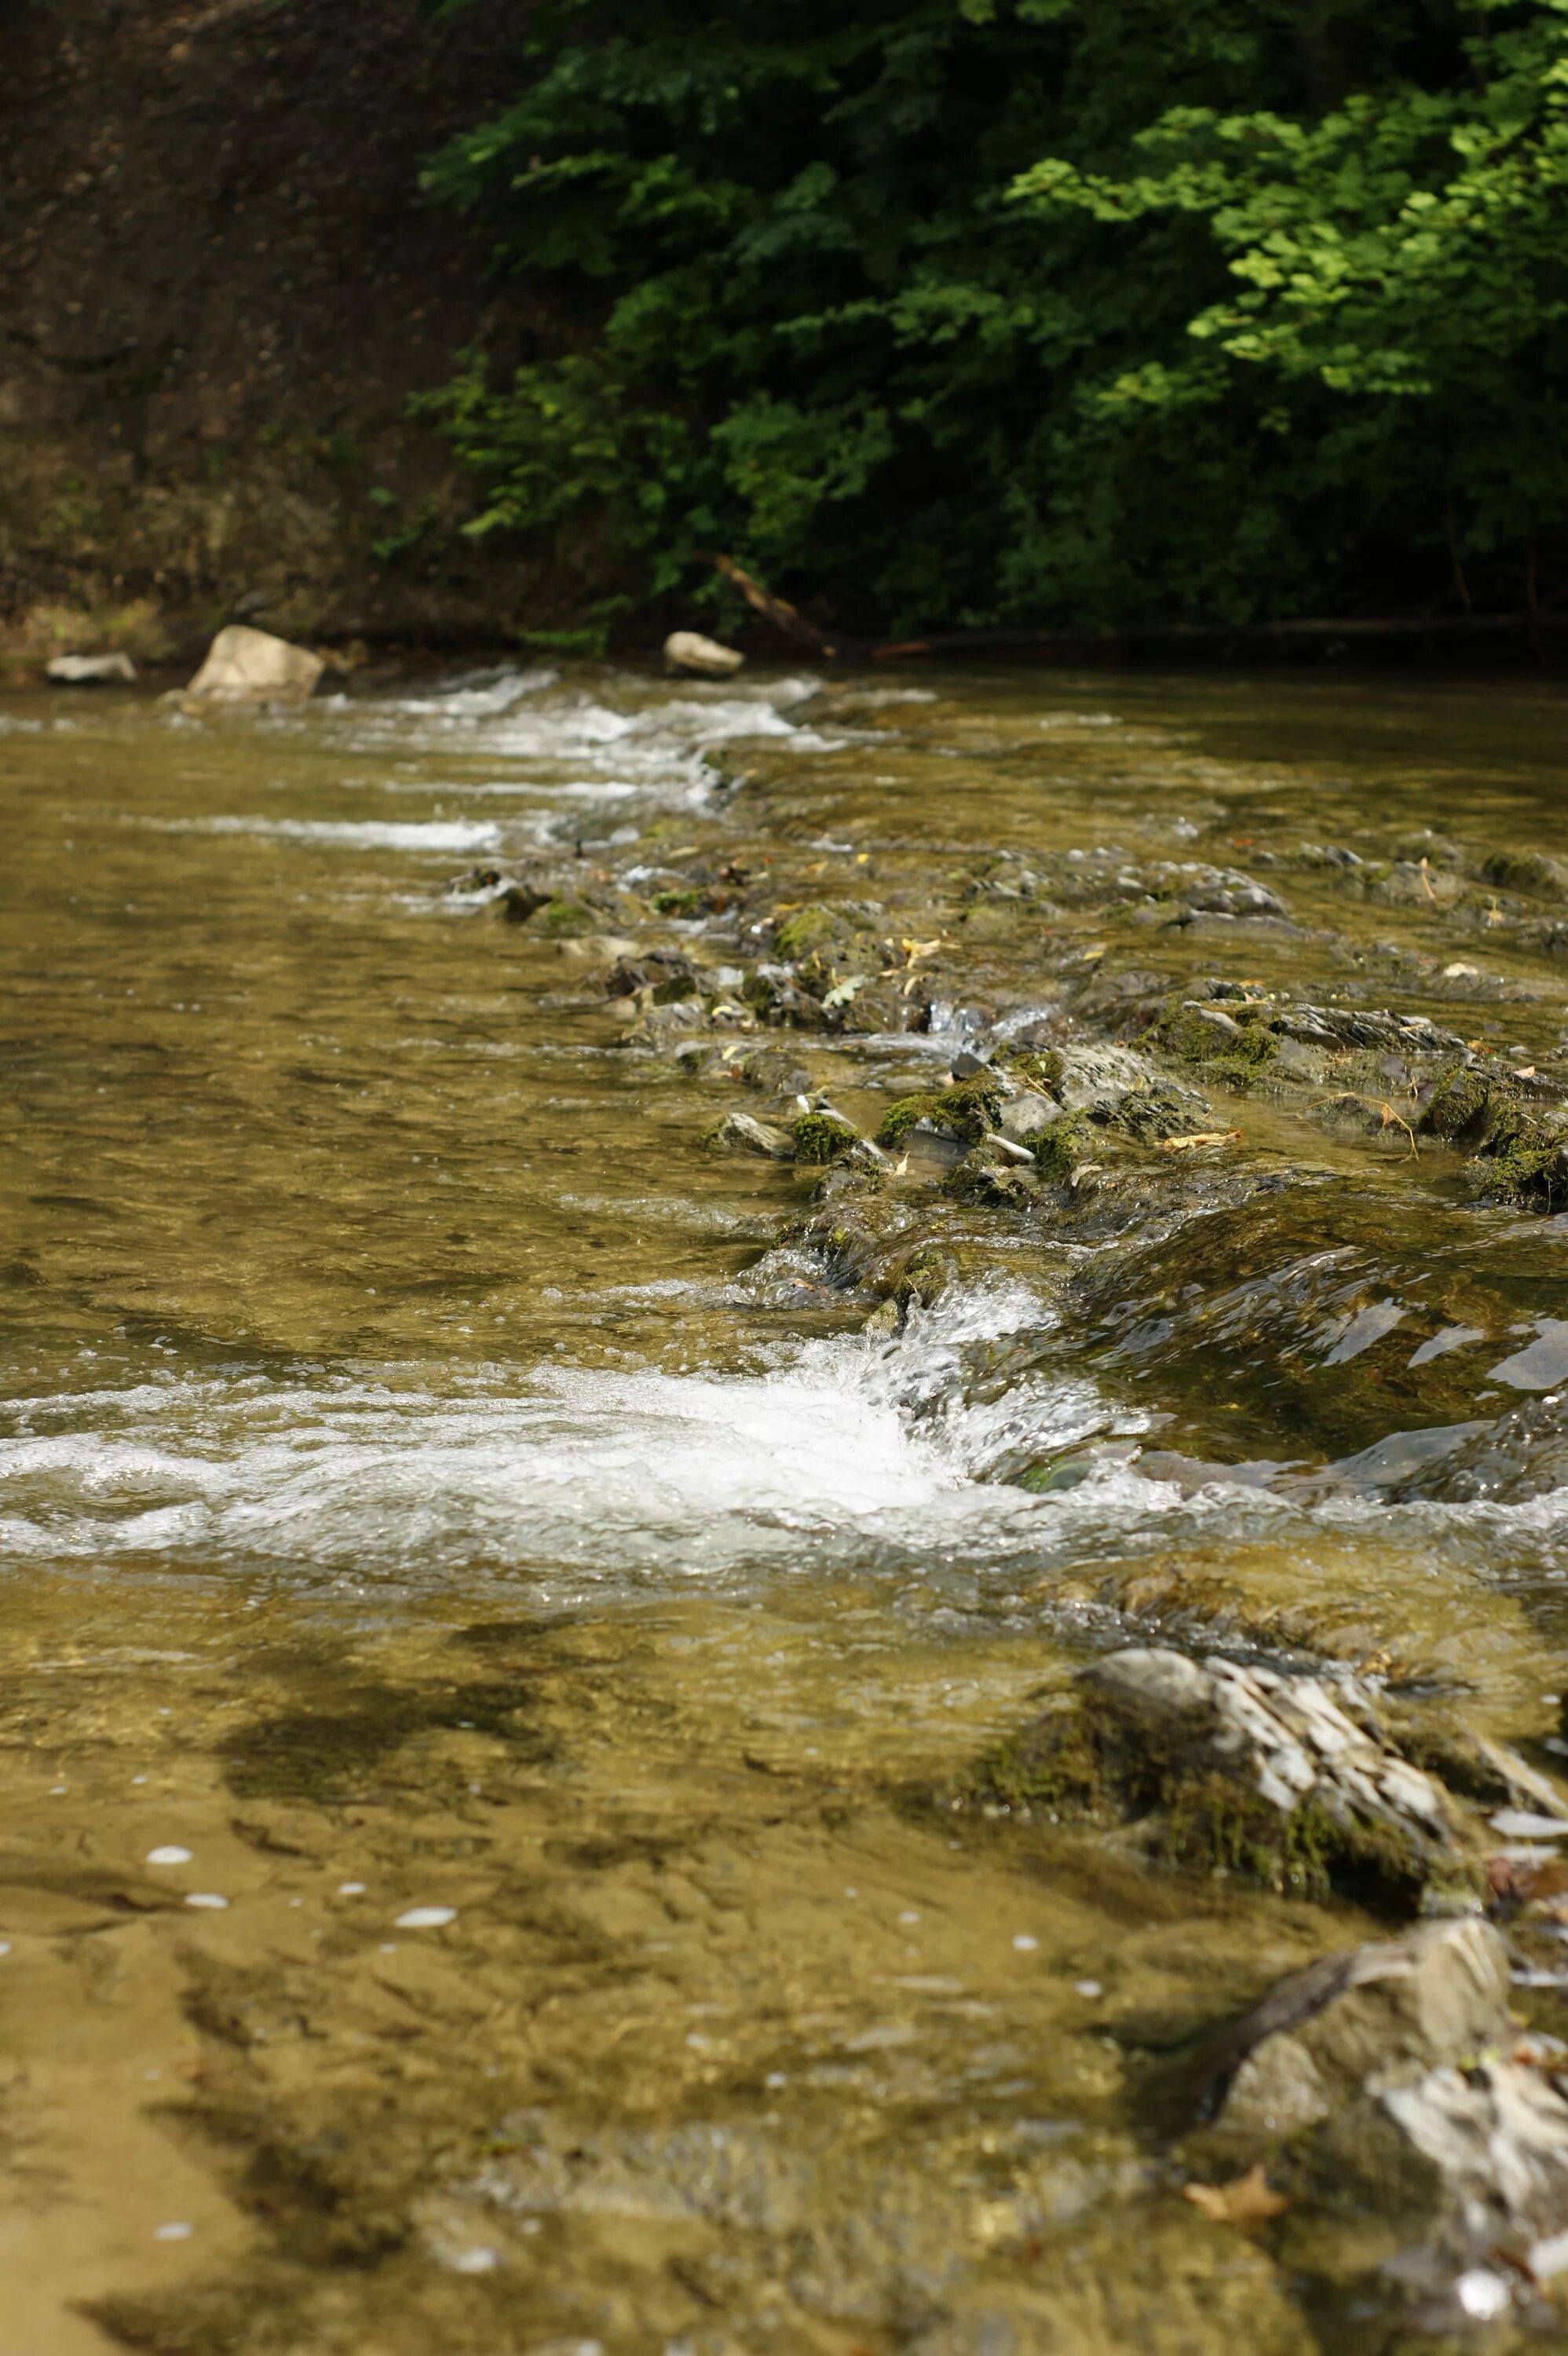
(967, 311)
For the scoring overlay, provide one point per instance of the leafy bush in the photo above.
(976, 311)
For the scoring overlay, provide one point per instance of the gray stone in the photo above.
(90, 671)
(1026, 1115)
(1365, 2022)
(742, 1130)
(246, 666)
(689, 651)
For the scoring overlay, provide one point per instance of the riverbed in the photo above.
(500, 1606)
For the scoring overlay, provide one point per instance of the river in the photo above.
(495, 1612)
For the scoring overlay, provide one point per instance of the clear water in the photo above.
(435, 1503)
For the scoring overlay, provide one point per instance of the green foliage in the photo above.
(971, 311)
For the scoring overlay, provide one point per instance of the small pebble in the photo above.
(476, 2262)
(5, 1947)
(351, 1890)
(909, 1915)
(1086, 1987)
(427, 1918)
(171, 1855)
(1025, 1944)
(178, 2230)
(208, 1898)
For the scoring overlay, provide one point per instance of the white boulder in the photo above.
(90, 671)
(246, 666)
(689, 651)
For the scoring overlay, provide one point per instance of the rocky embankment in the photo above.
(1282, 1143)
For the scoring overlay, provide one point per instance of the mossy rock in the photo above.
(1317, 1803)
(967, 1111)
(1458, 1104)
(987, 1176)
(1525, 871)
(1060, 1150)
(822, 1136)
(1236, 1049)
(813, 927)
(564, 920)
(1039, 1069)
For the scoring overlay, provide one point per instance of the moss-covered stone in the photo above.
(822, 1136)
(1458, 1106)
(1234, 1771)
(986, 1175)
(1059, 1150)
(967, 1111)
(562, 919)
(809, 928)
(1039, 1069)
(1232, 1043)
(1525, 871)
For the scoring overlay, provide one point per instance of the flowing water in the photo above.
(492, 1615)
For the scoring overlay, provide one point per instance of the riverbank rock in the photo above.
(91, 670)
(689, 651)
(1283, 1780)
(246, 666)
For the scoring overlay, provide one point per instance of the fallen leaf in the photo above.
(913, 949)
(1200, 1137)
(1525, 1072)
(1249, 2200)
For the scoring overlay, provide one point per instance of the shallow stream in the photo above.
(494, 1611)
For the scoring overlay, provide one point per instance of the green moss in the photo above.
(966, 1112)
(822, 1137)
(1059, 1150)
(985, 1177)
(679, 904)
(1530, 1168)
(1240, 1053)
(1524, 871)
(924, 1277)
(1458, 1103)
(1052, 1767)
(807, 929)
(1081, 1761)
(564, 919)
(1039, 1069)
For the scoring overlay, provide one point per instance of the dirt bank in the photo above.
(219, 286)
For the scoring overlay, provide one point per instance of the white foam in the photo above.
(427, 834)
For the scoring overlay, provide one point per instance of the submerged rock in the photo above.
(90, 671)
(246, 666)
(1396, 2079)
(664, 974)
(743, 1132)
(1283, 1779)
(1366, 2021)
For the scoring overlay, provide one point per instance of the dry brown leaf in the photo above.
(1200, 1137)
(1246, 2200)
